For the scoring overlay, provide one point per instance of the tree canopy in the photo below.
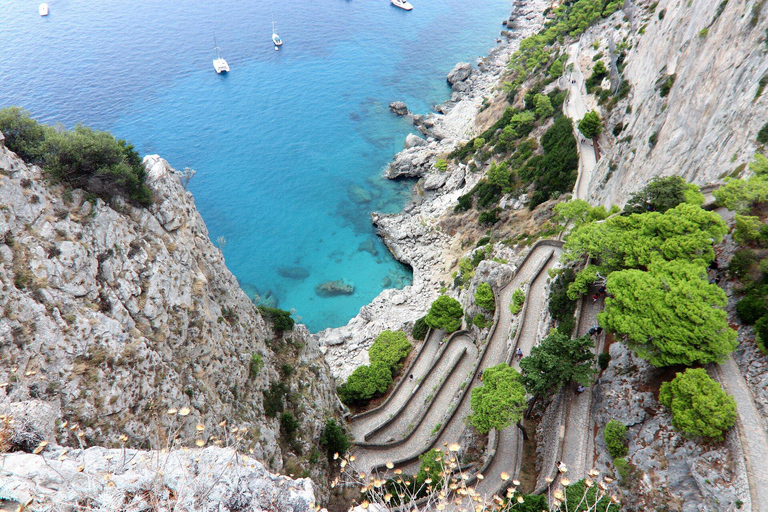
(543, 105)
(445, 313)
(557, 361)
(577, 212)
(390, 348)
(743, 195)
(591, 125)
(662, 194)
(500, 401)
(699, 405)
(669, 313)
(333, 439)
(685, 232)
(484, 297)
(365, 383)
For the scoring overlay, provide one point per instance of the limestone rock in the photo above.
(399, 108)
(459, 73)
(335, 288)
(412, 141)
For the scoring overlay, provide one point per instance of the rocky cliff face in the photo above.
(706, 126)
(115, 314)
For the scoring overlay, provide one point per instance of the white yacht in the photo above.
(276, 38)
(219, 64)
(43, 9)
(403, 4)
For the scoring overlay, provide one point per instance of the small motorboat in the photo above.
(276, 38)
(403, 4)
(43, 9)
(219, 64)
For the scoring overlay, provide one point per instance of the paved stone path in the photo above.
(421, 437)
(575, 107)
(754, 438)
(509, 450)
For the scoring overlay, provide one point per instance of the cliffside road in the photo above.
(575, 107)
(578, 444)
(510, 445)
(443, 411)
(754, 438)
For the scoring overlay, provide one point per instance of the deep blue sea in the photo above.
(289, 147)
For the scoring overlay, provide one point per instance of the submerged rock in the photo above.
(334, 288)
(459, 73)
(358, 194)
(368, 246)
(293, 272)
(399, 108)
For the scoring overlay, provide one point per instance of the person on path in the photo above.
(519, 352)
(411, 377)
(594, 298)
(598, 330)
(580, 389)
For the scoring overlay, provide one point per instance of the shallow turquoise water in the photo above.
(280, 144)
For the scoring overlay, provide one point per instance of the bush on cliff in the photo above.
(333, 439)
(365, 383)
(389, 349)
(615, 437)
(500, 401)
(484, 297)
(591, 125)
(281, 319)
(420, 328)
(699, 405)
(445, 313)
(663, 194)
(82, 158)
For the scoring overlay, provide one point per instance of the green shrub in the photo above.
(445, 313)
(499, 176)
(281, 319)
(273, 399)
(741, 263)
(561, 307)
(82, 158)
(747, 229)
(699, 405)
(761, 84)
(761, 333)
(389, 349)
(622, 468)
(333, 439)
(518, 299)
(599, 72)
(500, 401)
(665, 84)
(566, 325)
(484, 297)
(255, 366)
(490, 217)
(751, 308)
(603, 358)
(431, 467)
(365, 383)
(420, 328)
(615, 437)
(663, 194)
(478, 143)
(554, 172)
(591, 125)
(543, 105)
(289, 425)
(483, 241)
(762, 135)
(481, 322)
(441, 164)
(580, 498)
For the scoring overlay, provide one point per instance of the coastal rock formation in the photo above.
(57, 478)
(335, 288)
(114, 314)
(412, 141)
(399, 108)
(459, 73)
(293, 272)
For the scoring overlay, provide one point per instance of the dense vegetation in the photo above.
(699, 406)
(81, 158)
(557, 361)
(500, 401)
(615, 437)
(591, 125)
(484, 297)
(333, 439)
(445, 313)
(390, 348)
(561, 306)
(663, 194)
(281, 319)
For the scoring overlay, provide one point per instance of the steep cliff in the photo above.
(115, 314)
(705, 126)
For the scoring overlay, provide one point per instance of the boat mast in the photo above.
(216, 47)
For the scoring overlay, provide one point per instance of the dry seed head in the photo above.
(184, 411)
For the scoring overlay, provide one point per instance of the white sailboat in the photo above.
(403, 4)
(43, 9)
(276, 38)
(219, 64)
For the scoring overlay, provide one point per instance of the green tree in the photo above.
(615, 437)
(389, 349)
(543, 105)
(557, 361)
(577, 212)
(761, 333)
(742, 196)
(445, 313)
(484, 297)
(281, 319)
(365, 383)
(669, 314)
(289, 425)
(333, 439)
(699, 405)
(420, 328)
(499, 176)
(686, 232)
(431, 468)
(591, 125)
(747, 229)
(663, 194)
(500, 401)
(23, 135)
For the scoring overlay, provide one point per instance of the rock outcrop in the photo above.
(399, 108)
(114, 314)
(459, 73)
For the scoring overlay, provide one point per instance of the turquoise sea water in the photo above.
(289, 147)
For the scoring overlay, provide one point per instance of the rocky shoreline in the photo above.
(413, 236)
